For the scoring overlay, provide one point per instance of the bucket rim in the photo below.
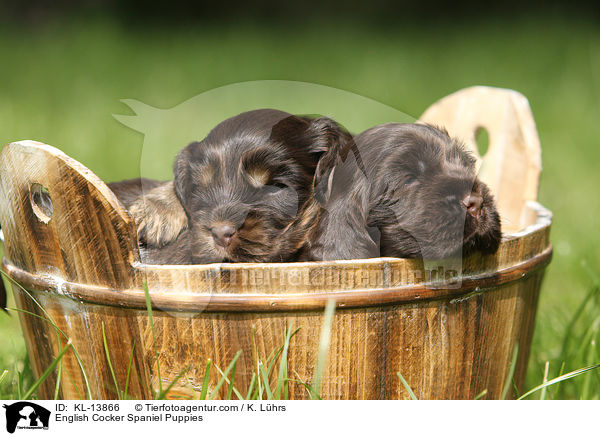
(185, 302)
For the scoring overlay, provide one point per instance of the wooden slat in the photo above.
(88, 238)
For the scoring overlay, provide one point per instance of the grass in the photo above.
(262, 386)
(61, 85)
(270, 389)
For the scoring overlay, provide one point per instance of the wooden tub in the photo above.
(451, 333)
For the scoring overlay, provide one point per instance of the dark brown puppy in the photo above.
(419, 197)
(244, 192)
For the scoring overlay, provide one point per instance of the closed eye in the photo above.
(410, 179)
(275, 187)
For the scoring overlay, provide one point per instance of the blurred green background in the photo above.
(61, 80)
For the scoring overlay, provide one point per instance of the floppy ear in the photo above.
(323, 182)
(313, 135)
(291, 130)
(326, 135)
(182, 179)
(335, 144)
(324, 139)
(343, 231)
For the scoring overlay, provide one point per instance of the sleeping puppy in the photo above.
(159, 218)
(419, 197)
(240, 194)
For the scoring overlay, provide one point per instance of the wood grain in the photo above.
(89, 238)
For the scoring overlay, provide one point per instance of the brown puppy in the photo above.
(159, 218)
(243, 191)
(419, 197)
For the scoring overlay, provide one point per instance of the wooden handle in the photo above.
(511, 167)
(60, 220)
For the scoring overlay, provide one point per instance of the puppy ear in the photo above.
(159, 216)
(336, 144)
(325, 134)
(344, 197)
(343, 232)
(323, 182)
(315, 135)
(182, 178)
(292, 132)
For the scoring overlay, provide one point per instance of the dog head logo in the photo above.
(26, 415)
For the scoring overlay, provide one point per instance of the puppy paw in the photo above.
(159, 216)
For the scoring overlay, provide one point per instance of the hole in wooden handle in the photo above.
(41, 203)
(482, 139)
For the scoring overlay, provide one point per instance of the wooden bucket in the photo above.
(77, 263)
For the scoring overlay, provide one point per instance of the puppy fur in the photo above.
(418, 196)
(240, 195)
(129, 191)
(158, 215)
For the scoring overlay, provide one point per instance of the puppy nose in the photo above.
(222, 234)
(473, 204)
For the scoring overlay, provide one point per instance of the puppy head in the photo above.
(425, 198)
(243, 185)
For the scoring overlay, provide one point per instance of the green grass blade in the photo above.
(266, 384)
(282, 376)
(272, 360)
(20, 392)
(251, 388)
(46, 373)
(311, 393)
(52, 323)
(110, 366)
(151, 319)
(569, 330)
(230, 382)
(129, 371)
(181, 373)
(231, 385)
(73, 383)
(587, 379)
(323, 346)
(545, 380)
(560, 379)
(204, 390)
(58, 377)
(560, 373)
(256, 362)
(407, 387)
(79, 362)
(481, 394)
(3, 376)
(35, 315)
(587, 338)
(227, 371)
(511, 372)
(590, 272)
